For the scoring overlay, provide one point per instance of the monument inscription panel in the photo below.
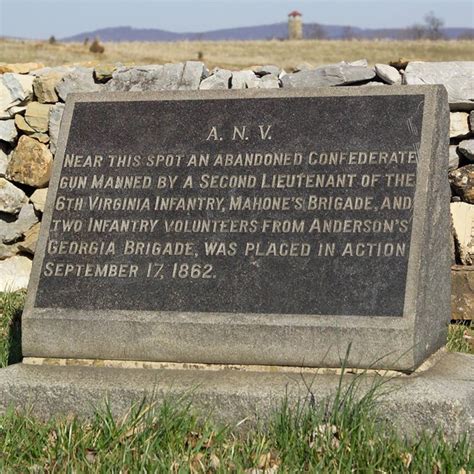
(275, 205)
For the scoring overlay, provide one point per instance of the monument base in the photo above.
(439, 394)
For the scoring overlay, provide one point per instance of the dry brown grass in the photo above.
(238, 54)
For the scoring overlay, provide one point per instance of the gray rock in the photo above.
(53, 70)
(31, 163)
(388, 74)
(219, 80)
(253, 82)
(8, 131)
(462, 182)
(78, 80)
(103, 72)
(4, 159)
(458, 124)
(268, 69)
(28, 245)
(15, 273)
(20, 86)
(193, 73)
(38, 199)
(453, 158)
(471, 121)
(19, 68)
(462, 215)
(15, 110)
(154, 78)
(15, 89)
(44, 86)
(6, 101)
(244, 80)
(466, 148)
(359, 62)
(269, 82)
(303, 67)
(373, 84)
(170, 77)
(10, 232)
(332, 75)
(12, 199)
(37, 116)
(55, 116)
(22, 125)
(7, 251)
(456, 76)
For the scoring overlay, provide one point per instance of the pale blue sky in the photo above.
(43, 18)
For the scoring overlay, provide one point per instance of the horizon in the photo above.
(63, 18)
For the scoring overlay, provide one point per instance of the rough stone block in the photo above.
(219, 80)
(12, 198)
(12, 231)
(332, 75)
(156, 78)
(466, 148)
(45, 85)
(8, 131)
(55, 116)
(31, 163)
(456, 76)
(38, 199)
(19, 86)
(388, 74)
(78, 80)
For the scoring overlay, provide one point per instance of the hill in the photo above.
(252, 33)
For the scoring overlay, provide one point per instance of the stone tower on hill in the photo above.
(295, 26)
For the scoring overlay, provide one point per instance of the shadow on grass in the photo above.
(14, 338)
(11, 308)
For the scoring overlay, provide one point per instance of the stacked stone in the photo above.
(32, 102)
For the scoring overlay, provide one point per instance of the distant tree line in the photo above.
(430, 29)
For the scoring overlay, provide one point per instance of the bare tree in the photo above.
(433, 26)
(431, 29)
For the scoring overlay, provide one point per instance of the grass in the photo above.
(461, 338)
(171, 438)
(344, 435)
(11, 305)
(237, 54)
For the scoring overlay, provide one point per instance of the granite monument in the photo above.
(257, 227)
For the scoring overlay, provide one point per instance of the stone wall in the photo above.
(32, 102)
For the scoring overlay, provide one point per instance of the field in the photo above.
(237, 54)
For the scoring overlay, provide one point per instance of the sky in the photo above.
(62, 18)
